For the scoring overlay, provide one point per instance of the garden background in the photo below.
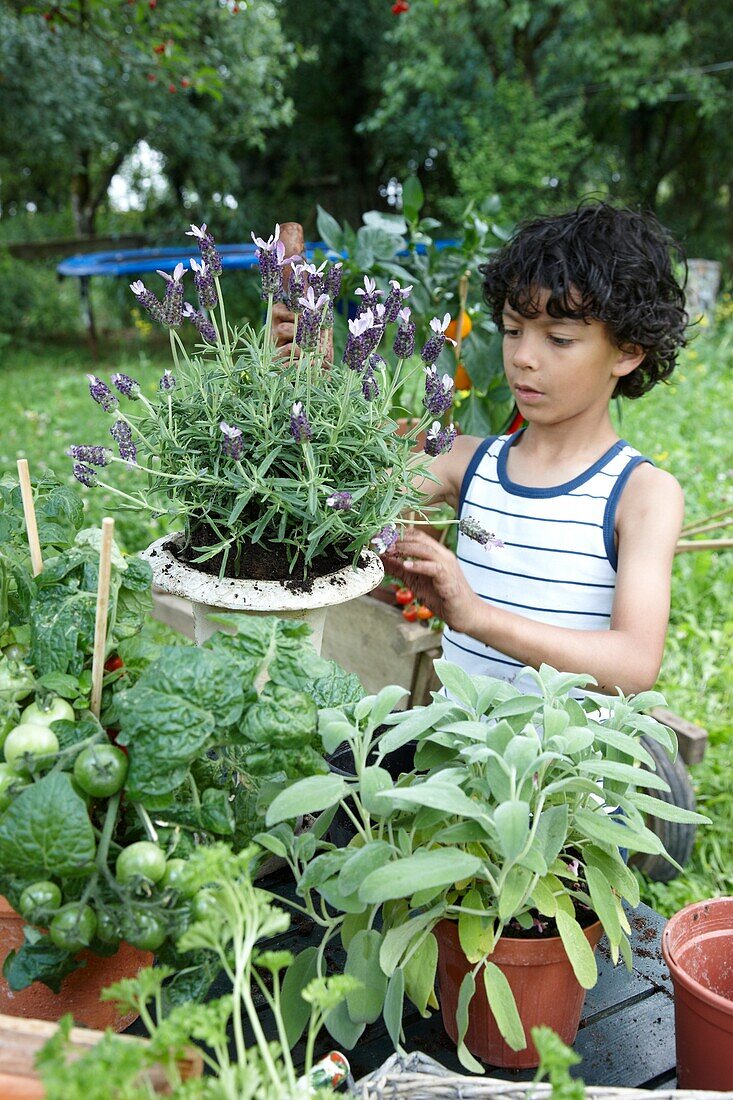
(127, 120)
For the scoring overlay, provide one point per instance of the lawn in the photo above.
(686, 427)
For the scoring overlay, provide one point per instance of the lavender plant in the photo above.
(250, 449)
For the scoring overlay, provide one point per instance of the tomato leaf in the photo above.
(46, 832)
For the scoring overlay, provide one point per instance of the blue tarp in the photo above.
(138, 261)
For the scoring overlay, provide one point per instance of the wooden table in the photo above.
(626, 1035)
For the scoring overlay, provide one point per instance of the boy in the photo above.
(588, 307)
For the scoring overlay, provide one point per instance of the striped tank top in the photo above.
(558, 563)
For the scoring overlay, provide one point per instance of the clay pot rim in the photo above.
(524, 951)
(7, 911)
(176, 578)
(679, 975)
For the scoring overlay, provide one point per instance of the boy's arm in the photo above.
(629, 654)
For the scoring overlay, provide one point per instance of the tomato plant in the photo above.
(403, 597)
(27, 744)
(143, 859)
(45, 712)
(101, 770)
(410, 612)
(424, 612)
(143, 930)
(39, 899)
(73, 927)
(113, 664)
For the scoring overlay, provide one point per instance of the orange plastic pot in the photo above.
(697, 944)
(541, 979)
(80, 991)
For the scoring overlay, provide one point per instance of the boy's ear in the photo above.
(628, 360)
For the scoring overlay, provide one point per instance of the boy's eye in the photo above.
(510, 331)
(561, 341)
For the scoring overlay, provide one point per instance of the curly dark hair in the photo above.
(600, 263)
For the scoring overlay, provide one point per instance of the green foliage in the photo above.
(240, 916)
(503, 822)
(555, 1061)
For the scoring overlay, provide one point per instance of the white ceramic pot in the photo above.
(209, 594)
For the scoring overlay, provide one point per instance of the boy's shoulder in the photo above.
(651, 496)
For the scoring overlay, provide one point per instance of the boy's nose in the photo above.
(525, 352)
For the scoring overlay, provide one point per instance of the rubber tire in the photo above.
(677, 838)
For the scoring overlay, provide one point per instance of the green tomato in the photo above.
(144, 930)
(15, 651)
(73, 927)
(39, 899)
(11, 784)
(176, 878)
(108, 930)
(204, 905)
(28, 743)
(101, 770)
(48, 712)
(140, 860)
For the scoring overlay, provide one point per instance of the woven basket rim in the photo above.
(417, 1076)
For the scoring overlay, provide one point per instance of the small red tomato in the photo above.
(403, 596)
(410, 612)
(424, 612)
(400, 7)
(113, 663)
(160, 48)
(152, 78)
(172, 88)
(185, 83)
(152, 4)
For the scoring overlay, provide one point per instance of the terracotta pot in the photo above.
(209, 594)
(697, 944)
(542, 981)
(79, 991)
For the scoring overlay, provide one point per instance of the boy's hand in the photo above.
(283, 327)
(434, 575)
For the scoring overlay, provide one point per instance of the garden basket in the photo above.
(418, 1077)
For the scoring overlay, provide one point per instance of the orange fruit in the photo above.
(451, 331)
(462, 379)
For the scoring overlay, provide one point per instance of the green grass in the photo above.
(685, 427)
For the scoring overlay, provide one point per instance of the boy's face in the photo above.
(560, 368)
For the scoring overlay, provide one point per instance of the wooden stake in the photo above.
(690, 527)
(29, 512)
(718, 524)
(100, 622)
(703, 544)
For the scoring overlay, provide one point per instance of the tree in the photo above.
(84, 81)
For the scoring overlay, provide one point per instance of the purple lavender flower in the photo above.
(127, 386)
(333, 280)
(369, 294)
(271, 258)
(300, 429)
(232, 444)
(340, 501)
(84, 474)
(168, 381)
(205, 328)
(121, 432)
(360, 341)
(316, 278)
(472, 529)
(369, 385)
(438, 392)
(296, 287)
(95, 456)
(404, 341)
(147, 300)
(207, 248)
(439, 441)
(395, 299)
(309, 321)
(102, 394)
(173, 301)
(385, 539)
(433, 347)
(205, 285)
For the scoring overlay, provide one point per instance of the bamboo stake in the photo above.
(719, 524)
(703, 544)
(29, 512)
(462, 297)
(100, 622)
(689, 528)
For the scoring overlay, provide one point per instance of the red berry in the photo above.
(152, 78)
(152, 4)
(172, 88)
(185, 83)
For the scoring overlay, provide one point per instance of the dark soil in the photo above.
(264, 561)
(513, 931)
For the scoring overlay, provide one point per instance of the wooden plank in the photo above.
(21, 1039)
(693, 740)
(630, 1047)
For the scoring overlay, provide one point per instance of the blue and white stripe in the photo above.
(558, 563)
